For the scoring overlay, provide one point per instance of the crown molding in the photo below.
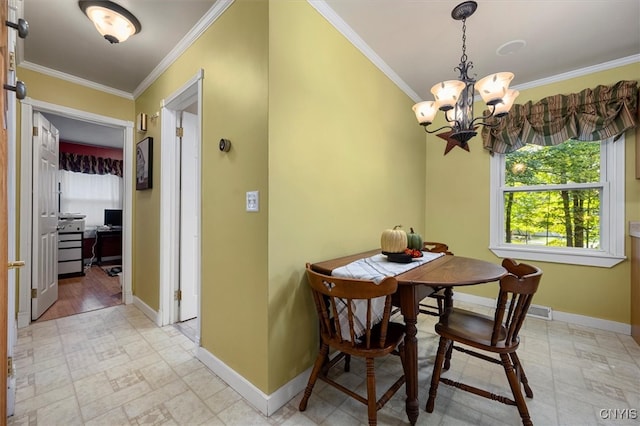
(580, 72)
(75, 80)
(207, 20)
(330, 15)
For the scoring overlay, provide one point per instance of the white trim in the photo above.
(207, 20)
(26, 203)
(28, 105)
(266, 404)
(147, 311)
(170, 195)
(168, 217)
(612, 220)
(598, 323)
(334, 19)
(73, 79)
(579, 72)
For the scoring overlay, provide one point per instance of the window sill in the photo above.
(567, 256)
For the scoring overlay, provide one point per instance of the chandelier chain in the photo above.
(463, 58)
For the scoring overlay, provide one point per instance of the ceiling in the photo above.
(62, 40)
(415, 42)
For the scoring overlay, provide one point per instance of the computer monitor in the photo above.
(113, 217)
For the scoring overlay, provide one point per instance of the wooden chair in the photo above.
(438, 296)
(334, 300)
(497, 334)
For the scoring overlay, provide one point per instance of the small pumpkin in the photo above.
(414, 240)
(393, 240)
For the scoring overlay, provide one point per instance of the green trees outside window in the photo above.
(553, 195)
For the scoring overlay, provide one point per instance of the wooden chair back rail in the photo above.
(435, 247)
(437, 309)
(337, 292)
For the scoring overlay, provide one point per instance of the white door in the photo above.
(44, 275)
(189, 218)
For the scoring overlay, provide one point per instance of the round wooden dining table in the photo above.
(445, 273)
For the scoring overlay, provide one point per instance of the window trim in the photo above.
(612, 216)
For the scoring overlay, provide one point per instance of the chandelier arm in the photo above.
(484, 117)
(437, 130)
(454, 120)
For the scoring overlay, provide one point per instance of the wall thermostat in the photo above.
(225, 145)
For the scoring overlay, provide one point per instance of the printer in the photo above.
(71, 222)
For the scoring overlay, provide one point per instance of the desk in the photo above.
(445, 272)
(108, 238)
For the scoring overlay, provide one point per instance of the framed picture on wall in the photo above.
(144, 160)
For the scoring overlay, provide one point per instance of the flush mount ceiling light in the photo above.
(113, 22)
(455, 97)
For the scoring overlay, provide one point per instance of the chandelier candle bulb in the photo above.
(447, 93)
(425, 111)
(494, 87)
(508, 99)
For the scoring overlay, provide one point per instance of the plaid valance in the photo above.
(591, 115)
(90, 164)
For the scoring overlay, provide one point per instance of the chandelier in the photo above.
(455, 97)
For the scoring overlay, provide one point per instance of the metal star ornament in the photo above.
(452, 143)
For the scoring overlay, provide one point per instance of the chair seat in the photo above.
(474, 329)
(395, 336)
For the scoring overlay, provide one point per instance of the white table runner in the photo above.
(374, 268)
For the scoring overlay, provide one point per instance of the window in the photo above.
(89, 194)
(562, 203)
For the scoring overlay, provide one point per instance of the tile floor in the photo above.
(115, 367)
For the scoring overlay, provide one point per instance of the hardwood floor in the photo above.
(95, 290)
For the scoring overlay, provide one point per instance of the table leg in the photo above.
(409, 309)
(448, 307)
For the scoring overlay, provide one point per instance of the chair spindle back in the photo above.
(339, 303)
(516, 292)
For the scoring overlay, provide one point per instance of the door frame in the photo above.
(28, 106)
(188, 94)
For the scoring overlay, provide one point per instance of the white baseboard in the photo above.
(600, 324)
(146, 309)
(128, 297)
(266, 404)
(24, 319)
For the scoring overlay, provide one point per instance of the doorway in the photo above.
(28, 107)
(180, 207)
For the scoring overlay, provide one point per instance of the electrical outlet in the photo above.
(253, 201)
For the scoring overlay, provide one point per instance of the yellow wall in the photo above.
(462, 216)
(346, 161)
(44, 88)
(234, 56)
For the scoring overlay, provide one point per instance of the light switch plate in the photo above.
(253, 201)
